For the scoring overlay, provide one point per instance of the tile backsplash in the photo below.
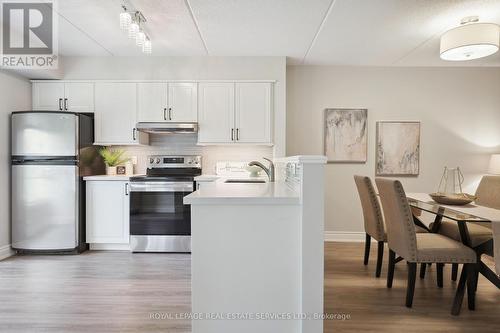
(185, 144)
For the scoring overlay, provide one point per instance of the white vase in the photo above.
(111, 170)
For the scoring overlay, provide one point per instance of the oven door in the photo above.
(159, 220)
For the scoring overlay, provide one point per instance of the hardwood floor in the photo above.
(352, 289)
(94, 292)
(119, 292)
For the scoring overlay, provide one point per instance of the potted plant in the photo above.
(112, 158)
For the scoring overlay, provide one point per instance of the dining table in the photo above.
(462, 215)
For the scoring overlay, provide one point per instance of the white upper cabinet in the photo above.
(48, 96)
(253, 112)
(116, 114)
(63, 96)
(79, 96)
(167, 102)
(235, 113)
(216, 113)
(226, 112)
(152, 102)
(182, 102)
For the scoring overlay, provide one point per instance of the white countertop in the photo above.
(220, 192)
(206, 178)
(106, 177)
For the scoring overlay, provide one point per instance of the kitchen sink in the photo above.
(245, 181)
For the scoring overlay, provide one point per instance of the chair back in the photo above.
(372, 212)
(488, 192)
(398, 219)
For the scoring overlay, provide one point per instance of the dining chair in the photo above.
(421, 247)
(373, 220)
(481, 236)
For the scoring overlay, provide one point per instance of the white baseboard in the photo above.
(345, 236)
(109, 247)
(6, 251)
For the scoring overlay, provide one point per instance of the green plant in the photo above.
(113, 157)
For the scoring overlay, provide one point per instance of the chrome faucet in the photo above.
(269, 171)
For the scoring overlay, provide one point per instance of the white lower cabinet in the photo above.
(107, 210)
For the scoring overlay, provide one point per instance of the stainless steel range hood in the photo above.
(167, 128)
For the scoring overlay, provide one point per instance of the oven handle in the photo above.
(161, 187)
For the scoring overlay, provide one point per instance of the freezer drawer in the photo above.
(44, 134)
(44, 207)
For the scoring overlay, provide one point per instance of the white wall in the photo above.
(187, 68)
(459, 109)
(15, 95)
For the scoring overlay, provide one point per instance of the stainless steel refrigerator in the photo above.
(51, 152)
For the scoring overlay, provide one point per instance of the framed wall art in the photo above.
(345, 135)
(398, 148)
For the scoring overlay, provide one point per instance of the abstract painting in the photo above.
(398, 148)
(345, 135)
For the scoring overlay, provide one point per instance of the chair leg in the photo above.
(410, 289)
(380, 257)
(459, 295)
(471, 286)
(476, 278)
(454, 272)
(440, 268)
(390, 270)
(422, 270)
(367, 248)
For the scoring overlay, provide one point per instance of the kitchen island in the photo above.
(257, 252)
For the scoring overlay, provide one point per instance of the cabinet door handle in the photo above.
(66, 104)
(169, 113)
(60, 104)
(232, 134)
(126, 188)
(133, 133)
(237, 134)
(164, 113)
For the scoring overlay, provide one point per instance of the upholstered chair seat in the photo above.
(435, 248)
(478, 233)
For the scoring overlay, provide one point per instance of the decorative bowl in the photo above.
(254, 170)
(458, 199)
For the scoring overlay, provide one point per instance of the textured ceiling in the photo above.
(315, 32)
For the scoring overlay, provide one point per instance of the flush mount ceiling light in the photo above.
(132, 21)
(471, 40)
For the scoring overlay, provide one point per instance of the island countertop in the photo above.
(235, 194)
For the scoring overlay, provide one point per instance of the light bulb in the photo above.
(133, 29)
(125, 20)
(140, 38)
(147, 47)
